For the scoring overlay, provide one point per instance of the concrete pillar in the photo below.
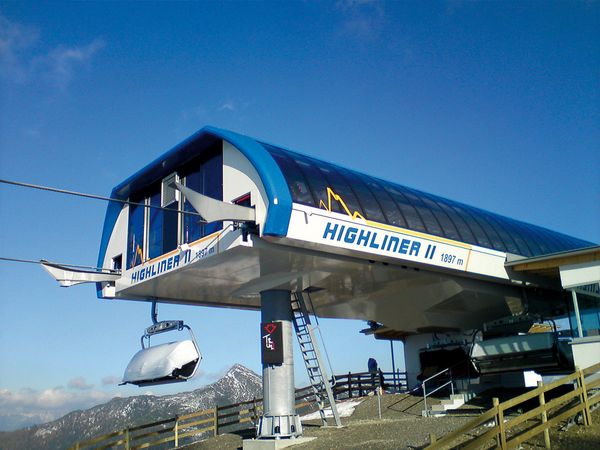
(279, 419)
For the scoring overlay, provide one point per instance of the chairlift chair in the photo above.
(171, 362)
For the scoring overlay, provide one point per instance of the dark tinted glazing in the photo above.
(393, 204)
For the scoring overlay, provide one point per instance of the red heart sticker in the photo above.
(270, 327)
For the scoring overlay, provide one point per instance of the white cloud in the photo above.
(50, 403)
(361, 18)
(110, 380)
(23, 60)
(79, 383)
(229, 105)
(62, 62)
(15, 39)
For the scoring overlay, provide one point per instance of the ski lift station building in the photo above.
(423, 269)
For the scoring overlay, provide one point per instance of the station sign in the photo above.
(271, 343)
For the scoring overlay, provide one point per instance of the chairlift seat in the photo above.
(165, 363)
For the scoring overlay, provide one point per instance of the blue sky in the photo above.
(495, 104)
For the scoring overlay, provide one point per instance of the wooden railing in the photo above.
(179, 429)
(238, 416)
(165, 431)
(359, 384)
(509, 431)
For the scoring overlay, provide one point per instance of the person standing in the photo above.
(372, 365)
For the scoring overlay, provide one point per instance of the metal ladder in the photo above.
(317, 374)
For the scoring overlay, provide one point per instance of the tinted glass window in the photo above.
(390, 209)
(413, 219)
(135, 235)
(394, 204)
(429, 219)
(476, 227)
(316, 181)
(554, 241)
(488, 226)
(155, 227)
(205, 177)
(213, 186)
(507, 239)
(162, 227)
(458, 221)
(516, 233)
(295, 179)
(340, 187)
(367, 200)
(447, 225)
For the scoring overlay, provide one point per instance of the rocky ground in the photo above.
(402, 427)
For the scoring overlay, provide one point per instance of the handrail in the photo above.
(450, 382)
(424, 386)
(576, 401)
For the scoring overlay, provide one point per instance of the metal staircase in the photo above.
(317, 373)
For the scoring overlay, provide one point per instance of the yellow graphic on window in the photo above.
(333, 196)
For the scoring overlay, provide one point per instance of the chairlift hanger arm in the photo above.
(69, 276)
(162, 326)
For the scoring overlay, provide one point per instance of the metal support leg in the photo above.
(279, 419)
(577, 316)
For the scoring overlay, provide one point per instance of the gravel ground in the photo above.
(402, 427)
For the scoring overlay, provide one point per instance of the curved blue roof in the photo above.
(394, 204)
(292, 177)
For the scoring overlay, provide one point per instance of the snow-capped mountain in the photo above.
(237, 385)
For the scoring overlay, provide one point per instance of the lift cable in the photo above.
(103, 269)
(96, 197)
(75, 266)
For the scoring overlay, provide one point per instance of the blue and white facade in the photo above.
(372, 248)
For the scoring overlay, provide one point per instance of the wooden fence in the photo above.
(361, 383)
(183, 429)
(228, 418)
(508, 430)
(172, 430)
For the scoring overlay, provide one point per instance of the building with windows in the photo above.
(433, 272)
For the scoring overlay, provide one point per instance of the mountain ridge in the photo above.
(238, 384)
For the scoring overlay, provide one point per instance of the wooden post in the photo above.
(216, 420)
(587, 416)
(349, 385)
(500, 423)
(360, 392)
(176, 431)
(126, 438)
(544, 415)
(432, 438)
